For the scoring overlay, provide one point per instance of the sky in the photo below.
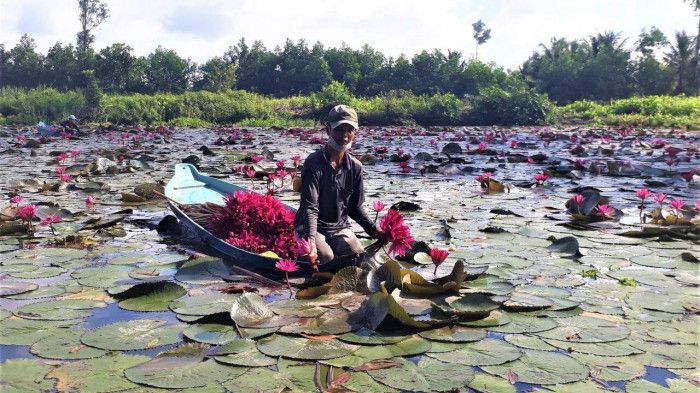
(202, 29)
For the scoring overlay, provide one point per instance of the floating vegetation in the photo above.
(566, 258)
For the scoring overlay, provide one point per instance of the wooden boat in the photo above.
(188, 186)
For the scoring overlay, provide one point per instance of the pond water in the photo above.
(581, 304)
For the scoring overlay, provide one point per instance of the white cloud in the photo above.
(203, 29)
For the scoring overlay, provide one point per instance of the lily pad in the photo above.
(204, 304)
(103, 374)
(304, 348)
(25, 376)
(182, 367)
(541, 367)
(243, 352)
(615, 348)
(411, 346)
(454, 334)
(366, 336)
(65, 344)
(525, 324)
(20, 331)
(151, 296)
(56, 310)
(250, 310)
(134, 334)
(584, 329)
(211, 333)
(620, 368)
(472, 305)
(428, 375)
(8, 288)
(482, 353)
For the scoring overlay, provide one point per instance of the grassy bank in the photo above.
(651, 111)
(510, 105)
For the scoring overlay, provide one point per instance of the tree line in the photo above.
(600, 67)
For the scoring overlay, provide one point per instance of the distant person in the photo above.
(331, 191)
(71, 124)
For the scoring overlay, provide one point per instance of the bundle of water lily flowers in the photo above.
(256, 223)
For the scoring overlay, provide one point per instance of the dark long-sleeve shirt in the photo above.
(330, 196)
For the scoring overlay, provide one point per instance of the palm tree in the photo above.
(680, 58)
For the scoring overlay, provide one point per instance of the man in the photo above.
(331, 191)
(71, 124)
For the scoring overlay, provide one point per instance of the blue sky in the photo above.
(202, 29)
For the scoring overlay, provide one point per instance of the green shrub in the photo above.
(189, 122)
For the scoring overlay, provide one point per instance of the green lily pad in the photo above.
(211, 333)
(495, 318)
(25, 376)
(304, 348)
(103, 374)
(243, 352)
(199, 271)
(583, 329)
(429, 375)
(669, 355)
(620, 368)
(40, 272)
(56, 310)
(203, 305)
(485, 383)
(411, 346)
(541, 367)
(615, 348)
(20, 331)
(250, 310)
(472, 305)
(259, 379)
(150, 296)
(100, 277)
(454, 334)
(525, 324)
(482, 353)
(366, 336)
(518, 301)
(134, 334)
(529, 342)
(64, 344)
(8, 288)
(182, 367)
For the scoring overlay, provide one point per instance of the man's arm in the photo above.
(355, 209)
(309, 200)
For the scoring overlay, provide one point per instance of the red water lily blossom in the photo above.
(48, 220)
(438, 256)
(397, 233)
(697, 206)
(296, 159)
(578, 198)
(677, 206)
(27, 213)
(378, 206)
(21, 138)
(541, 177)
(287, 266)
(280, 164)
(605, 210)
(256, 158)
(65, 177)
(250, 173)
(660, 198)
(483, 177)
(643, 193)
(90, 201)
(17, 199)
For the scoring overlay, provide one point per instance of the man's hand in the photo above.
(313, 255)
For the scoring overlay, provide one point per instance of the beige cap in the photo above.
(342, 114)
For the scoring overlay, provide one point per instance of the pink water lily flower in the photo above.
(677, 205)
(90, 201)
(287, 266)
(65, 177)
(256, 158)
(697, 205)
(16, 199)
(250, 173)
(438, 256)
(280, 164)
(27, 212)
(578, 198)
(643, 193)
(48, 220)
(605, 211)
(378, 206)
(540, 177)
(660, 198)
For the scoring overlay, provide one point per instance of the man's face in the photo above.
(343, 134)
